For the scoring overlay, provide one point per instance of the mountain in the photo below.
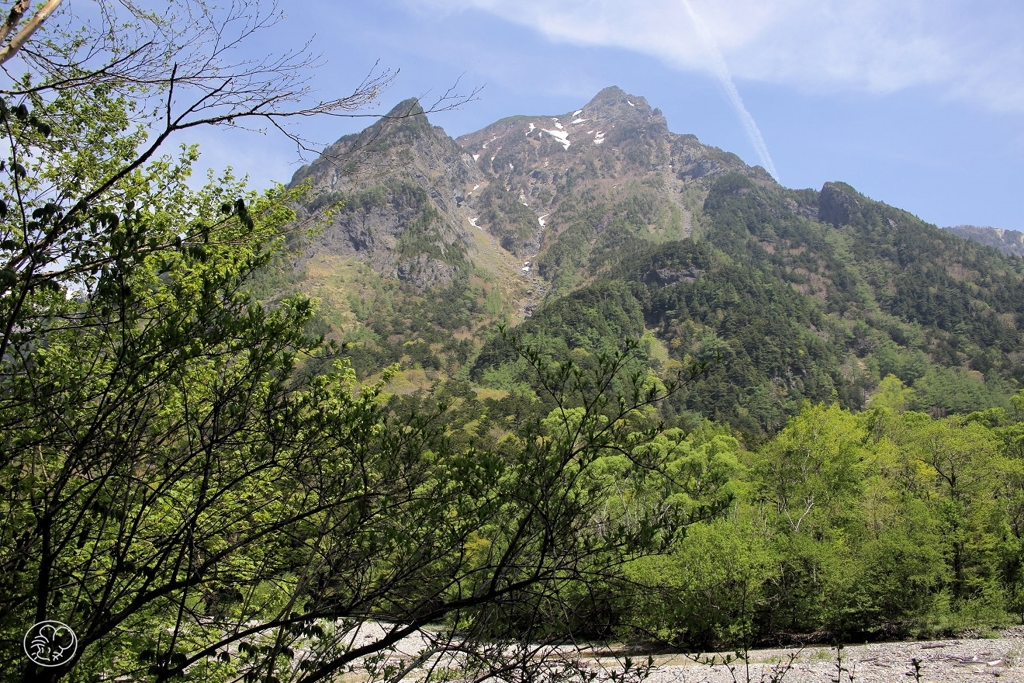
(611, 168)
(587, 227)
(400, 211)
(1007, 241)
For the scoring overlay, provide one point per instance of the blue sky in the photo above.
(919, 104)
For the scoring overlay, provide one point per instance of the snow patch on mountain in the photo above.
(561, 135)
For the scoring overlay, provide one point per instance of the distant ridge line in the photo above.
(1007, 241)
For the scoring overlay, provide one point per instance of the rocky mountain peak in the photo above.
(407, 107)
(838, 203)
(403, 135)
(400, 183)
(613, 104)
(406, 119)
(607, 149)
(421, 207)
(611, 116)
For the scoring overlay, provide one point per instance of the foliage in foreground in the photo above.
(198, 509)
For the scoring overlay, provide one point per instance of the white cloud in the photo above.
(721, 69)
(969, 50)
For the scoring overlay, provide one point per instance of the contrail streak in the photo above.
(721, 70)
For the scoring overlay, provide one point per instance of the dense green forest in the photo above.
(884, 523)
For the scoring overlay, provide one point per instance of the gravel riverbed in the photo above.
(942, 661)
(955, 660)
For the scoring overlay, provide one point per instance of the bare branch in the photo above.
(13, 18)
(27, 30)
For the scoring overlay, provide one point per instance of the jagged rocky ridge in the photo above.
(411, 193)
(401, 182)
(542, 163)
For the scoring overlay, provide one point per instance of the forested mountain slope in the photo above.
(602, 224)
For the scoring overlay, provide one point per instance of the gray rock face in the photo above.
(541, 172)
(424, 272)
(400, 183)
(662, 277)
(837, 204)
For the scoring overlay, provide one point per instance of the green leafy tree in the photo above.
(1012, 502)
(709, 591)
(961, 461)
(811, 477)
(198, 510)
(813, 468)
